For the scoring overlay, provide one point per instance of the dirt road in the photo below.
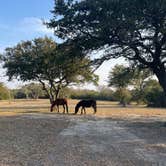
(61, 140)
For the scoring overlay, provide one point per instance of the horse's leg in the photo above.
(84, 110)
(63, 109)
(52, 107)
(95, 109)
(58, 108)
(67, 108)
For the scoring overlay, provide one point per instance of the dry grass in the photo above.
(105, 109)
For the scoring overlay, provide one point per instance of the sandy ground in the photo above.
(40, 139)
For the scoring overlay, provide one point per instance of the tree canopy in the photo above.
(134, 29)
(120, 76)
(42, 60)
(33, 90)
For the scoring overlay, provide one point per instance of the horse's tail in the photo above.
(77, 108)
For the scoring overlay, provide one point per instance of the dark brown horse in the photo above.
(59, 102)
(84, 104)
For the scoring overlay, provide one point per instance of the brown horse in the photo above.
(85, 103)
(58, 102)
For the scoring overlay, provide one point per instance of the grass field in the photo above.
(104, 109)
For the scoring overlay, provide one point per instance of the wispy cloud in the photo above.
(25, 29)
(2, 48)
(33, 25)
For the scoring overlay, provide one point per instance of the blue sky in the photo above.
(22, 20)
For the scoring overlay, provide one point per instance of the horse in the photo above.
(58, 102)
(85, 103)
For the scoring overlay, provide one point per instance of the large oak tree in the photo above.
(44, 61)
(133, 29)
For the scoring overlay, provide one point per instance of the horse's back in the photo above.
(87, 103)
(61, 101)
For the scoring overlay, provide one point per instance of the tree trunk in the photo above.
(47, 91)
(161, 75)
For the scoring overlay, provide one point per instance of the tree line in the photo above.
(134, 86)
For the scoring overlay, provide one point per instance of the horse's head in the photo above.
(76, 109)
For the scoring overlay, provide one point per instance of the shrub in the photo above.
(156, 98)
(4, 92)
(123, 95)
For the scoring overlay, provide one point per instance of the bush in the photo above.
(138, 96)
(4, 92)
(102, 94)
(156, 98)
(18, 94)
(123, 95)
(154, 94)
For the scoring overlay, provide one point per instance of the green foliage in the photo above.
(138, 96)
(4, 92)
(33, 90)
(139, 81)
(154, 94)
(105, 93)
(132, 29)
(120, 76)
(29, 60)
(123, 95)
(102, 94)
(55, 67)
(29, 91)
(84, 94)
(18, 94)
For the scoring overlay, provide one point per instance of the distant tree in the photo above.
(4, 92)
(123, 95)
(133, 29)
(120, 77)
(84, 94)
(105, 93)
(33, 90)
(43, 61)
(24, 91)
(18, 94)
(139, 78)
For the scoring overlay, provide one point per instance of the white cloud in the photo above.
(2, 48)
(33, 25)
